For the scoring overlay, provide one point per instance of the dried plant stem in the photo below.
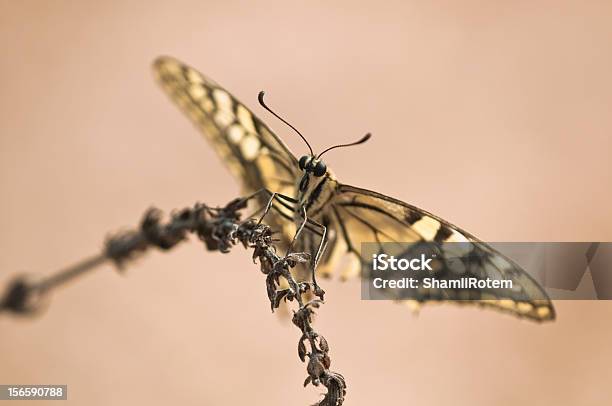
(220, 229)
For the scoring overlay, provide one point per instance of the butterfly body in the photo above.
(314, 192)
(305, 193)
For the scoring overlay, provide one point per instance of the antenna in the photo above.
(361, 141)
(260, 97)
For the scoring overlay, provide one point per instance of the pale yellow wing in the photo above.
(253, 153)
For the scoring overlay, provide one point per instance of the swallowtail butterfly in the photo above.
(339, 217)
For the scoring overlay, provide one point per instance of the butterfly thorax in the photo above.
(315, 192)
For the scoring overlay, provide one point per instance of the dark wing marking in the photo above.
(361, 215)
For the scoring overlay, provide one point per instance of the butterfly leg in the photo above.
(321, 232)
(283, 200)
(299, 230)
(288, 203)
(320, 251)
(268, 207)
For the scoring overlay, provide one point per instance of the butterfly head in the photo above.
(310, 164)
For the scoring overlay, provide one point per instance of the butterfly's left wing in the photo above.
(358, 215)
(253, 153)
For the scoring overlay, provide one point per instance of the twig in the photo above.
(220, 229)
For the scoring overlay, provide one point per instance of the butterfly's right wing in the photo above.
(253, 153)
(360, 216)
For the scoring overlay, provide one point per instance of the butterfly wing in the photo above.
(359, 215)
(253, 153)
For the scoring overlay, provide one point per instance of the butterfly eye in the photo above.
(304, 161)
(320, 169)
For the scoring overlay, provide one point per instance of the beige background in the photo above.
(493, 114)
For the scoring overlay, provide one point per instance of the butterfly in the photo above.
(303, 197)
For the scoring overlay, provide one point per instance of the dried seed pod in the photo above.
(302, 349)
(323, 344)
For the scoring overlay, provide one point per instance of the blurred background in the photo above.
(494, 115)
